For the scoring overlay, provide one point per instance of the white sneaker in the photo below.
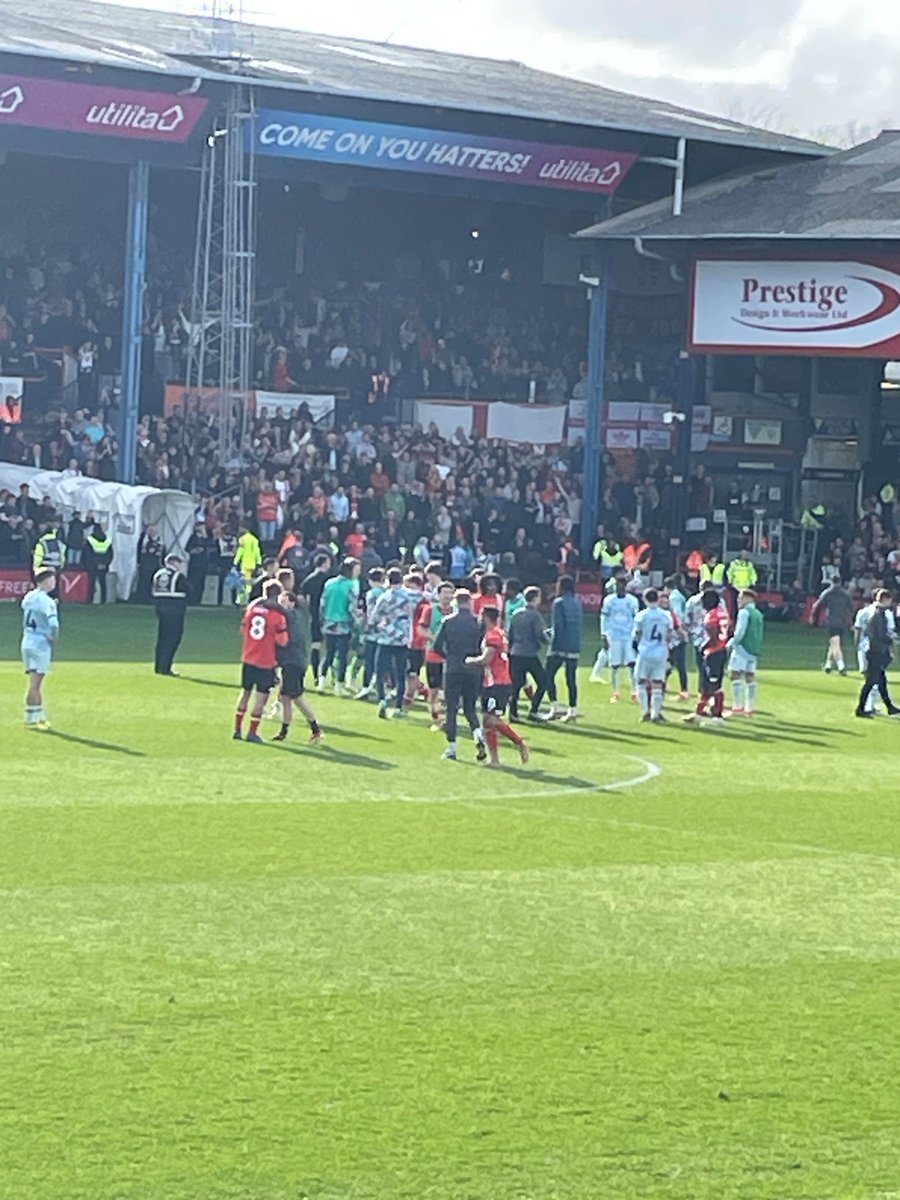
(571, 714)
(556, 711)
(364, 693)
(339, 689)
(715, 723)
(320, 685)
(450, 754)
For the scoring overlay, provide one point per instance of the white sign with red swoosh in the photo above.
(797, 306)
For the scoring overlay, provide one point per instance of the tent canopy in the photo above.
(123, 511)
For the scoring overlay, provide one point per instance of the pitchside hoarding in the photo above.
(335, 140)
(89, 108)
(843, 307)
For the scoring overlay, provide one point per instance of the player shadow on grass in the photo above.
(331, 753)
(94, 744)
(604, 734)
(540, 776)
(743, 734)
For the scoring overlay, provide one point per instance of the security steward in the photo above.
(49, 555)
(98, 556)
(170, 592)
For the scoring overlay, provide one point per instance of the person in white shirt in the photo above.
(653, 633)
(860, 636)
(617, 618)
(339, 505)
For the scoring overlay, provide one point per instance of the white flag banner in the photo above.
(268, 404)
(448, 418)
(533, 424)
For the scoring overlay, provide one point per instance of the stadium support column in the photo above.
(593, 421)
(133, 317)
(690, 383)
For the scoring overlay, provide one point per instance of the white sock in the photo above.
(737, 693)
(751, 694)
(657, 695)
(614, 678)
(840, 665)
(634, 682)
(872, 700)
(477, 736)
(643, 696)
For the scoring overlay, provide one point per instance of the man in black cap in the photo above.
(170, 592)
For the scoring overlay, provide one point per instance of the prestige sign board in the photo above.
(844, 307)
(339, 141)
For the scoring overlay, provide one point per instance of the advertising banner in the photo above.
(846, 307)
(448, 418)
(89, 108)
(11, 390)
(16, 581)
(337, 140)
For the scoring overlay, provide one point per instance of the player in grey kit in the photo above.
(837, 605)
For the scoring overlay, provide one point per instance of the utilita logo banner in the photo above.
(84, 108)
(438, 152)
(804, 307)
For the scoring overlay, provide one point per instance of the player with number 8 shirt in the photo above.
(264, 629)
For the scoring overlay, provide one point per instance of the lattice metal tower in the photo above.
(220, 351)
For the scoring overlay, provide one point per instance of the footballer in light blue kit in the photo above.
(617, 617)
(40, 629)
(653, 634)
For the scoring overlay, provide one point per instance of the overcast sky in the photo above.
(826, 68)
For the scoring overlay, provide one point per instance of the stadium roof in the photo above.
(189, 45)
(852, 195)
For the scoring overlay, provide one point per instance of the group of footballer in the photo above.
(480, 639)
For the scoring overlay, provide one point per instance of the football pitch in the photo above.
(656, 962)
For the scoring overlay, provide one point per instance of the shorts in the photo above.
(495, 700)
(434, 674)
(36, 657)
(652, 668)
(742, 662)
(621, 652)
(261, 678)
(836, 630)
(415, 661)
(714, 670)
(292, 681)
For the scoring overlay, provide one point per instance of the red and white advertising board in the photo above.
(844, 307)
(16, 581)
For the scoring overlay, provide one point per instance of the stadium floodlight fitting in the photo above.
(590, 281)
(670, 417)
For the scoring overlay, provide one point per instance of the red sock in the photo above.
(718, 703)
(490, 736)
(509, 733)
(254, 725)
(701, 704)
(239, 720)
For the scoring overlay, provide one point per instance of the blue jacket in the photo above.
(565, 617)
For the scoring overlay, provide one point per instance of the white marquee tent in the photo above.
(122, 510)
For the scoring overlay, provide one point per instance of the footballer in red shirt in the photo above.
(497, 689)
(715, 647)
(264, 629)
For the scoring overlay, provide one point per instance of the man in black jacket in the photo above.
(459, 638)
(878, 655)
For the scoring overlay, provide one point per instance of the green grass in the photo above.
(355, 972)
